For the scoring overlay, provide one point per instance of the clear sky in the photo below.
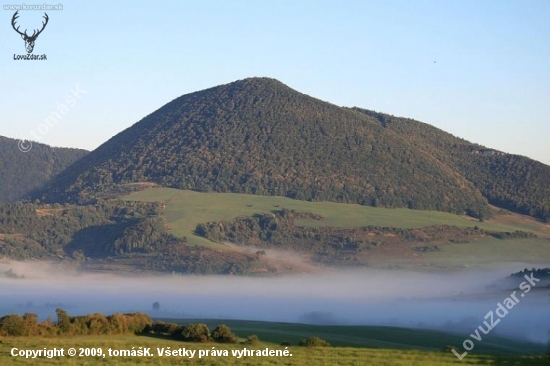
(479, 69)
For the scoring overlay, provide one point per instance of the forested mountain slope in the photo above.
(259, 136)
(21, 172)
(514, 182)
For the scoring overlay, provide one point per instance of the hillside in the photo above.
(513, 182)
(338, 234)
(170, 230)
(21, 172)
(259, 136)
(246, 157)
(113, 236)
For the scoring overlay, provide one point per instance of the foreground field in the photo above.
(361, 336)
(300, 355)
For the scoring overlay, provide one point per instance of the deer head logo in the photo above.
(29, 40)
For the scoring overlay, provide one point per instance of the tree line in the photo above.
(334, 245)
(27, 325)
(91, 324)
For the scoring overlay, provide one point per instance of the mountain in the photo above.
(21, 172)
(261, 137)
(509, 181)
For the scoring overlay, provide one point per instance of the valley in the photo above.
(285, 216)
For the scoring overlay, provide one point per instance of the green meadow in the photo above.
(185, 209)
(490, 251)
(362, 336)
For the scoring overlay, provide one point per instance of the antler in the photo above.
(34, 35)
(15, 16)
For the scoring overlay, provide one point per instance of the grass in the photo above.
(487, 251)
(362, 336)
(300, 356)
(185, 209)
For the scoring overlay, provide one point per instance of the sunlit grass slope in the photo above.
(185, 209)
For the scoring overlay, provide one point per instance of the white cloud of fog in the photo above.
(452, 301)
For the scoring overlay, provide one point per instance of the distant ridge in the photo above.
(21, 172)
(259, 136)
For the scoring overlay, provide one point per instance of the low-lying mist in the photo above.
(456, 301)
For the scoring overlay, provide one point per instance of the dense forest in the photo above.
(21, 172)
(44, 231)
(508, 181)
(116, 231)
(259, 136)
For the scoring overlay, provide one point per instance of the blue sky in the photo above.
(477, 69)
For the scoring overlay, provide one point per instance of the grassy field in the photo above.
(300, 356)
(362, 336)
(185, 209)
(490, 251)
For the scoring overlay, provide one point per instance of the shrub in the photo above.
(252, 339)
(223, 334)
(196, 333)
(313, 342)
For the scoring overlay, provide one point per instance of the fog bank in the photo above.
(455, 301)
